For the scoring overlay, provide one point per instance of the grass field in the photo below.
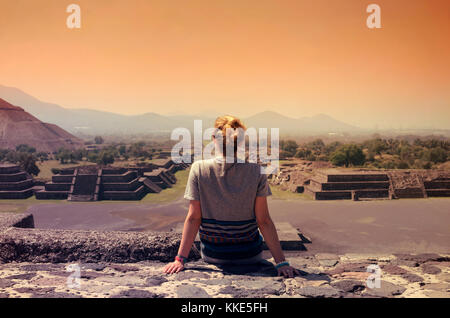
(170, 194)
(47, 166)
(279, 194)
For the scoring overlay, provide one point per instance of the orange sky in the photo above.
(299, 58)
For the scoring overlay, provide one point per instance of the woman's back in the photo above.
(226, 191)
(227, 194)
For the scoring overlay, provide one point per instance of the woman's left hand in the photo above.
(287, 271)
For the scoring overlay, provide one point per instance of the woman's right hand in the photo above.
(287, 271)
(174, 267)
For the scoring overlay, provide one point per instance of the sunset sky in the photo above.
(295, 57)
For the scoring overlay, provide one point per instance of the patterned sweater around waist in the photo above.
(230, 239)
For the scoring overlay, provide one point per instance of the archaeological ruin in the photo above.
(14, 182)
(93, 183)
(352, 184)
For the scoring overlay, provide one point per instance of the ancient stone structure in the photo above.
(14, 183)
(92, 183)
(335, 186)
(19, 127)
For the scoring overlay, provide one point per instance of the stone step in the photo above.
(81, 198)
(353, 177)
(409, 193)
(437, 184)
(438, 192)
(371, 194)
(18, 194)
(328, 195)
(137, 194)
(356, 185)
(290, 238)
(51, 195)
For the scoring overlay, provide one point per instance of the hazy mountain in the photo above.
(315, 124)
(88, 121)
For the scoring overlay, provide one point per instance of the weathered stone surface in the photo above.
(430, 269)
(23, 220)
(5, 283)
(412, 278)
(349, 267)
(93, 266)
(22, 276)
(216, 281)
(186, 291)
(327, 259)
(318, 292)
(235, 292)
(445, 277)
(155, 281)
(438, 286)
(60, 246)
(268, 286)
(436, 294)
(393, 269)
(348, 285)
(420, 258)
(386, 289)
(187, 274)
(136, 293)
(124, 268)
(146, 279)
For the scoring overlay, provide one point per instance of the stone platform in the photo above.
(14, 182)
(108, 183)
(321, 276)
(34, 263)
(347, 186)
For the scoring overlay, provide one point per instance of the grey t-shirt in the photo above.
(226, 191)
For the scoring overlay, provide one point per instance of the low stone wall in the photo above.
(126, 177)
(20, 242)
(15, 177)
(130, 186)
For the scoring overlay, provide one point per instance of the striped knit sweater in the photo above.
(230, 239)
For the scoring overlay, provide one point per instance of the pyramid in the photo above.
(19, 127)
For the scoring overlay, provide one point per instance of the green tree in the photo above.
(28, 163)
(347, 155)
(289, 147)
(438, 155)
(105, 158)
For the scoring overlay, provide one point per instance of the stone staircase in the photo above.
(84, 188)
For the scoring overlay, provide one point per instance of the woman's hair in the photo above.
(229, 126)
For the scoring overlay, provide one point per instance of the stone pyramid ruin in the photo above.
(18, 127)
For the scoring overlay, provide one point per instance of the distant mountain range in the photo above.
(87, 121)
